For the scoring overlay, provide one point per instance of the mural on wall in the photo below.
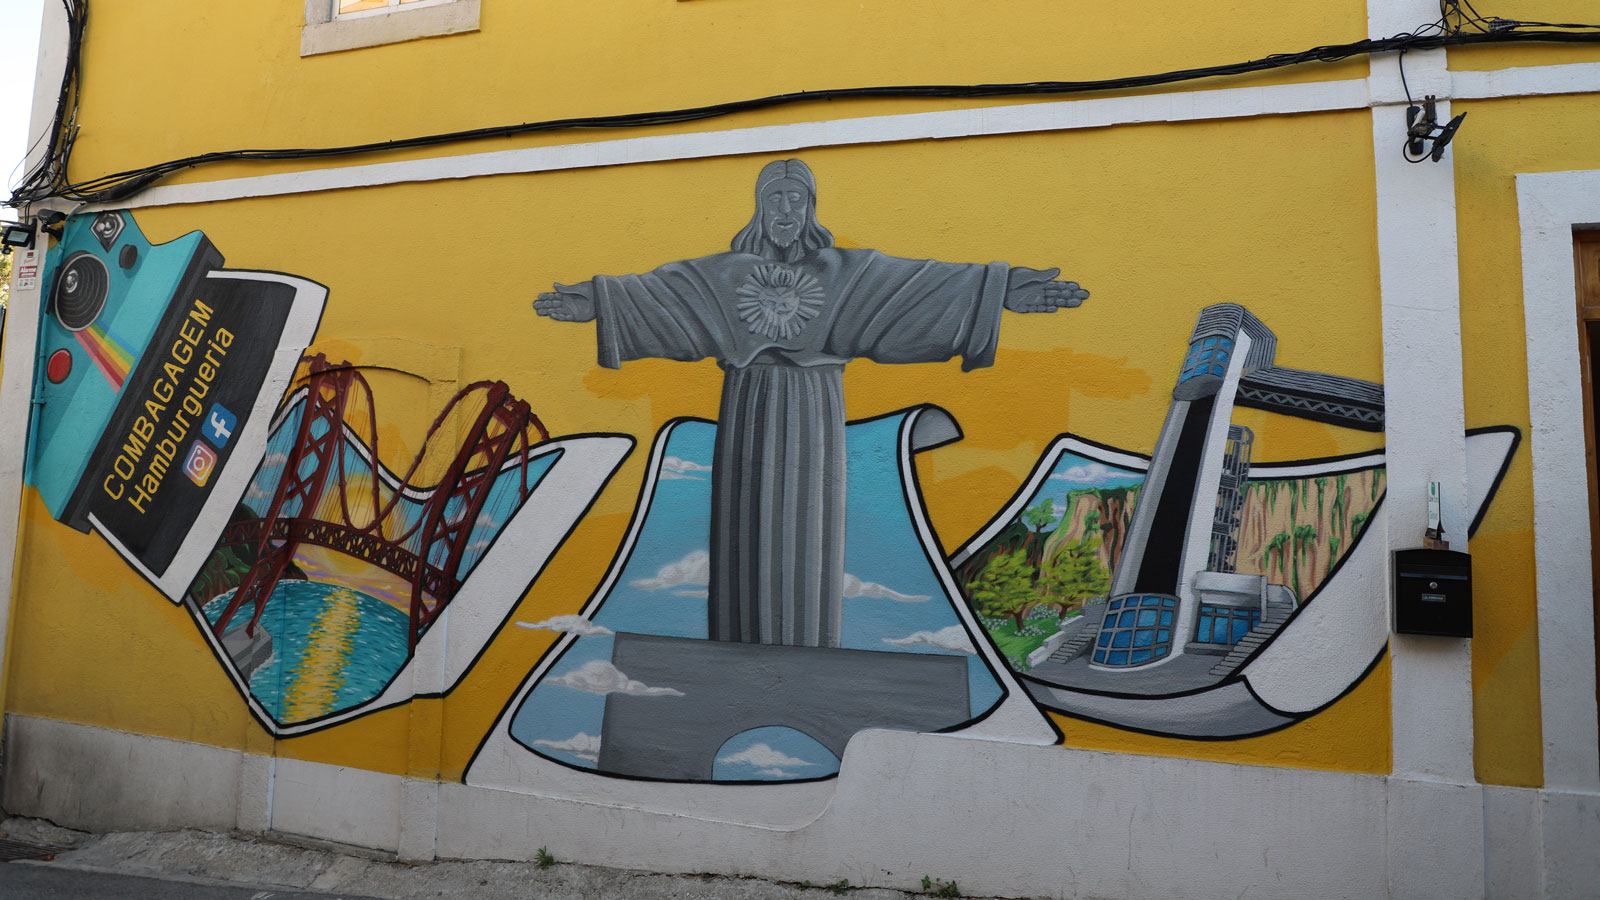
(333, 570)
(158, 370)
(318, 576)
(1166, 594)
(637, 686)
(780, 588)
(783, 312)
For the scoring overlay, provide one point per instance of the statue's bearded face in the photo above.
(785, 210)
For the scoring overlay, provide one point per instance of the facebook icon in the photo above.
(219, 425)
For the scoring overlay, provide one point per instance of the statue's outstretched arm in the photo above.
(567, 303)
(1036, 290)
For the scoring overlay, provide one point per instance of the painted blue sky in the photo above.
(894, 602)
(1072, 472)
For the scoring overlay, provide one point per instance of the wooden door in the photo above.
(1586, 248)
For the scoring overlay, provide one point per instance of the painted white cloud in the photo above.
(597, 676)
(775, 773)
(582, 745)
(274, 459)
(855, 587)
(567, 625)
(257, 493)
(701, 593)
(762, 756)
(692, 569)
(954, 639)
(1093, 473)
(673, 467)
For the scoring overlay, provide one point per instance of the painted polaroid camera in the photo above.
(157, 368)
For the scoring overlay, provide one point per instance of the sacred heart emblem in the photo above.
(776, 301)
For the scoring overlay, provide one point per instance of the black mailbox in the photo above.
(1433, 592)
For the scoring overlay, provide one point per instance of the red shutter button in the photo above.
(59, 366)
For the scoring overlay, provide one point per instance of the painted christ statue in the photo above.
(782, 313)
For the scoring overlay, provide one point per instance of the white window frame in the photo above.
(327, 32)
(1549, 206)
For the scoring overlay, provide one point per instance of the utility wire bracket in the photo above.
(1422, 127)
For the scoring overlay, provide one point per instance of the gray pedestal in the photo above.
(825, 693)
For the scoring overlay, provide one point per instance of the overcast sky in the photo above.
(19, 38)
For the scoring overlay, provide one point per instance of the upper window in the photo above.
(350, 9)
(347, 24)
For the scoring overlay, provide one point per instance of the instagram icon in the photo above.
(200, 462)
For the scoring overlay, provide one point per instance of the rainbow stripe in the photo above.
(112, 359)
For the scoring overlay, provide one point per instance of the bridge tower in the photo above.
(452, 511)
(320, 436)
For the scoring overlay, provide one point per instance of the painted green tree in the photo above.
(1005, 588)
(1358, 523)
(1074, 575)
(1039, 515)
(1305, 545)
(1276, 546)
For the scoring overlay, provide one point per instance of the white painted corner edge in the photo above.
(1549, 204)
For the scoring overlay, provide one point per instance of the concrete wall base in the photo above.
(999, 818)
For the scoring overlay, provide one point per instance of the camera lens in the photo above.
(80, 291)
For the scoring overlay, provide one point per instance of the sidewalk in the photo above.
(276, 864)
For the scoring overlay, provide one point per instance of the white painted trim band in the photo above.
(1527, 81)
(1431, 702)
(1548, 205)
(1065, 115)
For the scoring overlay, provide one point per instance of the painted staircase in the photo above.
(1278, 609)
(1076, 635)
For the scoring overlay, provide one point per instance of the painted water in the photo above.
(333, 648)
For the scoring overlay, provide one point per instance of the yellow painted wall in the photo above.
(223, 77)
(1507, 137)
(1157, 220)
(1519, 55)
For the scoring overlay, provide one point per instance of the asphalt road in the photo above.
(27, 881)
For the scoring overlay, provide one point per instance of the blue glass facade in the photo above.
(1136, 630)
(1206, 357)
(1225, 624)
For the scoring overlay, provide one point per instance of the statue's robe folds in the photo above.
(778, 479)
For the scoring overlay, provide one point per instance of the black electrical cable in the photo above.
(49, 177)
(1405, 146)
(52, 183)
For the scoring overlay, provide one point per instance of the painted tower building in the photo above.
(1192, 485)
(1175, 589)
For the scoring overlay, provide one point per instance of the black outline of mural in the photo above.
(1019, 498)
(921, 522)
(204, 263)
(319, 724)
(139, 570)
(768, 481)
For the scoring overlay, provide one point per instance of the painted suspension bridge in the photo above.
(321, 493)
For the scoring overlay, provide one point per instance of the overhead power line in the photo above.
(1458, 25)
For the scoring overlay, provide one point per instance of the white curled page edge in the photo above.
(484, 602)
(504, 765)
(299, 328)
